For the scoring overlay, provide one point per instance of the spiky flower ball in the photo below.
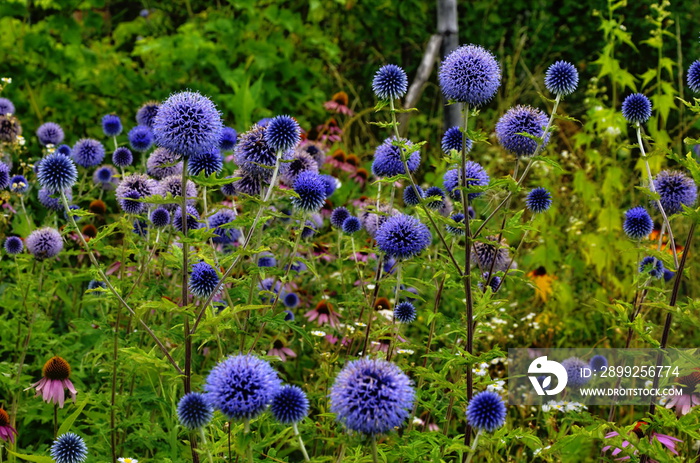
(192, 218)
(253, 154)
(330, 183)
(242, 386)
(4, 175)
(208, 162)
(694, 76)
(488, 253)
(638, 223)
(69, 448)
(387, 158)
(459, 229)
(187, 123)
(160, 217)
(50, 133)
(438, 197)
(88, 152)
(403, 236)
(6, 107)
(311, 190)
(57, 172)
(140, 138)
(351, 225)
(574, 373)
(561, 78)
(405, 312)
(173, 185)
(636, 108)
(194, 411)
(452, 140)
(471, 75)
(163, 163)
(412, 195)
(111, 125)
(598, 362)
(338, 216)
(494, 283)
(517, 120)
(283, 133)
(228, 139)
(652, 266)
(18, 183)
(146, 114)
(676, 190)
(486, 411)
(129, 202)
(51, 200)
(122, 157)
(475, 175)
(372, 396)
(299, 162)
(219, 221)
(13, 245)
(289, 405)
(538, 200)
(104, 176)
(390, 82)
(203, 279)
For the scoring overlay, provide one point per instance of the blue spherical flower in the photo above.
(387, 158)
(187, 123)
(435, 191)
(208, 162)
(160, 217)
(289, 405)
(405, 312)
(241, 387)
(253, 154)
(140, 183)
(486, 411)
(351, 225)
(228, 139)
(194, 411)
(57, 172)
(96, 284)
(290, 300)
(88, 152)
(636, 108)
(13, 245)
(458, 230)
(299, 162)
(338, 216)
(668, 275)
(218, 223)
(574, 367)
(652, 266)
(50, 133)
(51, 200)
(694, 76)
(538, 200)
(64, 149)
(372, 396)
(390, 82)
(330, 183)
(476, 176)
(402, 236)
(598, 362)
(676, 190)
(485, 253)
(72, 207)
(129, 202)
(452, 140)
(122, 157)
(140, 138)
(470, 74)
(638, 223)
(173, 185)
(146, 114)
(69, 448)
(111, 125)
(412, 196)
(203, 279)
(192, 218)
(283, 133)
(6, 107)
(44, 243)
(267, 260)
(163, 163)
(104, 176)
(522, 119)
(494, 283)
(561, 78)
(311, 190)
(4, 175)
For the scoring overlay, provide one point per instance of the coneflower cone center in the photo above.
(4, 418)
(56, 368)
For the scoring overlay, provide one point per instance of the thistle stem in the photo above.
(375, 459)
(473, 447)
(301, 442)
(249, 449)
(204, 443)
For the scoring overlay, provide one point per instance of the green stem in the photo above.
(375, 459)
(301, 442)
(249, 449)
(473, 447)
(204, 443)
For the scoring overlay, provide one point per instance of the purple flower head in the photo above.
(146, 114)
(88, 152)
(4, 175)
(10, 128)
(13, 245)
(636, 108)
(338, 216)
(452, 140)
(218, 222)
(203, 279)
(69, 448)
(522, 119)
(538, 200)
(458, 230)
(57, 172)
(471, 75)
(311, 190)
(283, 133)
(173, 185)
(64, 149)
(50, 133)
(163, 163)
(372, 221)
(160, 217)
(330, 183)
(104, 176)
(228, 139)
(289, 405)
(6, 107)
(412, 196)
(387, 158)
(638, 223)
(598, 362)
(187, 123)
(209, 162)
(405, 312)
(122, 157)
(694, 76)
(351, 225)
(435, 192)
(51, 200)
(248, 184)
(493, 284)
(403, 236)
(573, 366)
(390, 82)
(652, 266)
(140, 138)
(111, 125)
(254, 155)
(485, 253)
(486, 411)
(139, 183)
(561, 78)
(192, 218)
(476, 177)
(267, 260)
(44, 243)
(676, 190)
(194, 411)
(129, 202)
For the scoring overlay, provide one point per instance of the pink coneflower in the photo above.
(329, 132)
(689, 398)
(323, 313)
(339, 104)
(7, 432)
(281, 351)
(360, 176)
(51, 387)
(665, 440)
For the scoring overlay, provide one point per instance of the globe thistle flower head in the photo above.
(64, 149)
(129, 202)
(57, 172)
(228, 139)
(458, 230)
(122, 157)
(638, 223)
(405, 312)
(104, 176)
(403, 236)
(452, 140)
(598, 362)
(412, 195)
(435, 191)
(88, 152)
(140, 138)
(208, 162)
(522, 119)
(561, 78)
(218, 222)
(50, 133)
(266, 260)
(139, 183)
(475, 175)
(203, 279)
(694, 76)
(373, 220)
(299, 162)
(4, 176)
(470, 74)
(160, 217)
(351, 225)
(146, 114)
(485, 253)
(289, 405)
(486, 411)
(69, 448)
(242, 386)
(13, 245)
(96, 284)
(494, 283)
(652, 266)
(388, 161)
(248, 184)
(10, 128)
(330, 183)
(6, 107)
(111, 125)
(290, 300)
(173, 185)
(668, 275)
(371, 396)
(253, 155)
(538, 200)
(194, 411)
(139, 227)
(390, 82)
(574, 366)
(163, 163)
(283, 133)
(676, 190)
(311, 190)
(192, 218)
(636, 108)
(51, 200)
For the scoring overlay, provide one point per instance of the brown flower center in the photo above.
(690, 381)
(56, 368)
(4, 418)
(98, 207)
(382, 304)
(341, 98)
(324, 308)
(90, 230)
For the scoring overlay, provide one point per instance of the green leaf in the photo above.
(68, 422)
(31, 457)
